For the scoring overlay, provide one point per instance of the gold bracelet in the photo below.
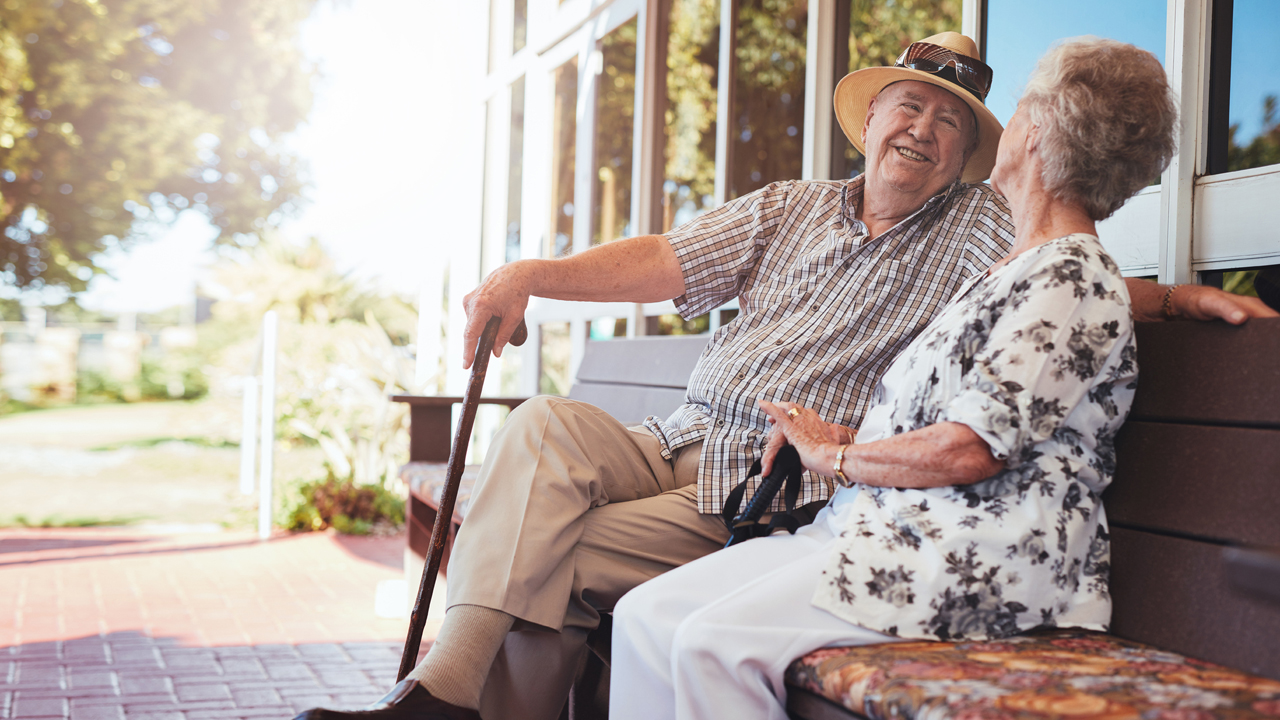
(1167, 305)
(844, 481)
(849, 434)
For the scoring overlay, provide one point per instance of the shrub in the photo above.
(344, 506)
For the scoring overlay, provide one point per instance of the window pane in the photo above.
(564, 134)
(693, 57)
(878, 31)
(615, 121)
(1254, 137)
(766, 136)
(515, 161)
(1018, 33)
(553, 375)
(500, 32)
(521, 26)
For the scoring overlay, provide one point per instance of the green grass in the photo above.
(54, 521)
(203, 442)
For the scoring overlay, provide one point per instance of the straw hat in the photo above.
(857, 89)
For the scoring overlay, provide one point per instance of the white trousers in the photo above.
(712, 639)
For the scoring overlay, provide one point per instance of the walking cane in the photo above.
(444, 515)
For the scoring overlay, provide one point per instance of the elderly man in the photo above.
(572, 509)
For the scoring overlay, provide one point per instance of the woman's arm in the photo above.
(935, 456)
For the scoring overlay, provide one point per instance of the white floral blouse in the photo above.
(1037, 358)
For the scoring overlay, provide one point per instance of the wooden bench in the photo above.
(1194, 512)
(1195, 529)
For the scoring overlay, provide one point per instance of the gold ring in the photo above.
(793, 412)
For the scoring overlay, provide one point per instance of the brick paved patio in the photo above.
(123, 625)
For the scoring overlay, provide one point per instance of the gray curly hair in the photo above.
(1107, 118)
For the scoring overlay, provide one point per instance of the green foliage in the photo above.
(1263, 149)
(692, 62)
(344, 506)
(117, 113)
(336, 368)
(56, 521)
(768, 98)
(175, 375)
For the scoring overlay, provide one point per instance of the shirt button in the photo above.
(741, 375)
(720, 423)
(778, 341)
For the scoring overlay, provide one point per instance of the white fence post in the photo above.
(270, 324)
(248, 434)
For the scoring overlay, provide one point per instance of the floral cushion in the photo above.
(426, 481)
(1060, 673)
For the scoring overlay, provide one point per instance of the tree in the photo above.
(119, 111)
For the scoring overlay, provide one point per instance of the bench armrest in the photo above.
(431, 419)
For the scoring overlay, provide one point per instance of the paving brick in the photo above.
(263, 697)
(121, 699)
(303, 703)
(286, 671)
(139, 684)
(91, 678)
(193, 693)
(49, 649)
(24, 707)
(98, 712)
(242, 667)
(136, 655)
(40, 675)
(180, 707)
(342, 678)
(326, 652)
(228, 714)
(153, 715)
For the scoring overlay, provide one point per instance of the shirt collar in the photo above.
(851, 197)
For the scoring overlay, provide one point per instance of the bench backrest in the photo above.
(633, 379)
(1198, 472)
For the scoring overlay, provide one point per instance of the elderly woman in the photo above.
(970, 503)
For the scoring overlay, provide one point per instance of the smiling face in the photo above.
(918, 137)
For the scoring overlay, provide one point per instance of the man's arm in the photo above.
(1195, 302)
(639, 269)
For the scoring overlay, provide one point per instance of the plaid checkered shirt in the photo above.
(823, 307)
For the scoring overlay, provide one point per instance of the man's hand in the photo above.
(639, 269)
(1201, 302)
(503, 293)
(1194, 302)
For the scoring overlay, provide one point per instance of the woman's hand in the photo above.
(815, 439)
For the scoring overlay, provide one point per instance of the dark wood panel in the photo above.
(658, 361)
(1212, 482)
(1209, 372)
(1175, 594)
(628, 403)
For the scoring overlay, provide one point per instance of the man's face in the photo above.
(917, 137)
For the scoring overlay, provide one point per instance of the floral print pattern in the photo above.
(1078, 674)
(1038, 359)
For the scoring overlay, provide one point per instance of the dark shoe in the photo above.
(406, 701)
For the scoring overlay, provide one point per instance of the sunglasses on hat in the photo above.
(972, 73)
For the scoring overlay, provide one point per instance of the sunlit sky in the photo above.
(379, 158)
(371, 148)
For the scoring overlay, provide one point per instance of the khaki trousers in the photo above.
(570, 511)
